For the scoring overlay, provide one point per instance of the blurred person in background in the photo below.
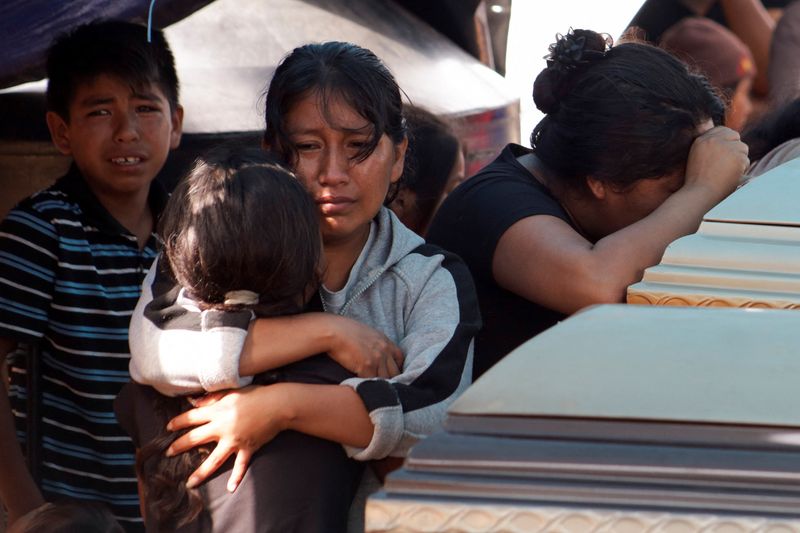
(722, 57)
(434, 167)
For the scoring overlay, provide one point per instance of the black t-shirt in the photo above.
(470, 223)
(295, 482)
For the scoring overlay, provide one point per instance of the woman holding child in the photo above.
(628, 158)
(399, 316)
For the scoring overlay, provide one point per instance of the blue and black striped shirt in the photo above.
(70, 276)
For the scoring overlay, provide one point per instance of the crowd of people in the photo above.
(257, 350)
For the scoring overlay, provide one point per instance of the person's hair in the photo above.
(108, 47)
(86, 517)
(773, 129)
(618, 114)
(242, 221)
(432, 151)
(239, 221)
(334, 70)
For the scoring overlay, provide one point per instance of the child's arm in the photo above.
(179, 349)
(18, 491)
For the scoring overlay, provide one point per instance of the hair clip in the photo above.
(241, 297)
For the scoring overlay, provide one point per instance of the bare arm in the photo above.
(752, 23)
(244, 420)
(275, 342)
(17, 490)
(542, 259)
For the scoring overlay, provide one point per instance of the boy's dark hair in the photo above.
(618, 114)
(335, 70)
(68, 517)
(114, 48)
(237, 221)
(431, 155)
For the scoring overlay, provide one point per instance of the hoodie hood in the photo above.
(391, 243)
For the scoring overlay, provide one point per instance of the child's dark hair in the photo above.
(334, 70)
(619, 113)
(239, 221)
(774, 128)
(432, 151)
(114, 48)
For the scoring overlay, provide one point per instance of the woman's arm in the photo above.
(543, 259)
(440, 319)
(372, 418)
(244, 420)
(179, 349)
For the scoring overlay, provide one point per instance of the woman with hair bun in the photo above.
(628, 158)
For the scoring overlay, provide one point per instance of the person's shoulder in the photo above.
(42, 217)
(428, 260)
(502, 176)
(53, 204)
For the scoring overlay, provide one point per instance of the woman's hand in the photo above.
(278, 341)
(239, 421)
(717, 160)
(366, 352)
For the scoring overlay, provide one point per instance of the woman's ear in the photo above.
(597, 188)
(399, 159)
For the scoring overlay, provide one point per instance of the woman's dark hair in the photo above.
(239, 221)
(618, 114)
(334, 70)
(773, 129)
(430, 157)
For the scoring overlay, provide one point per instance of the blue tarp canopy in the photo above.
(29, 26)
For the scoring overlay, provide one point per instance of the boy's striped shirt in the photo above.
(70, 276)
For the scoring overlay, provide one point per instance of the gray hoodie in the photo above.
(418, 295)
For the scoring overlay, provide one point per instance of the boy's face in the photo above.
(118, 137)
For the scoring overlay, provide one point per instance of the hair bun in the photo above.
(575, 49)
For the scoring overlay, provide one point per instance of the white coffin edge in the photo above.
(746, 252)
(659, 364)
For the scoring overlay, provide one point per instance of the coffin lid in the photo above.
(770, 199)
(663, 364)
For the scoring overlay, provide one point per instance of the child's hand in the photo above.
(717, 160)
(239, 421)
(366, 352)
